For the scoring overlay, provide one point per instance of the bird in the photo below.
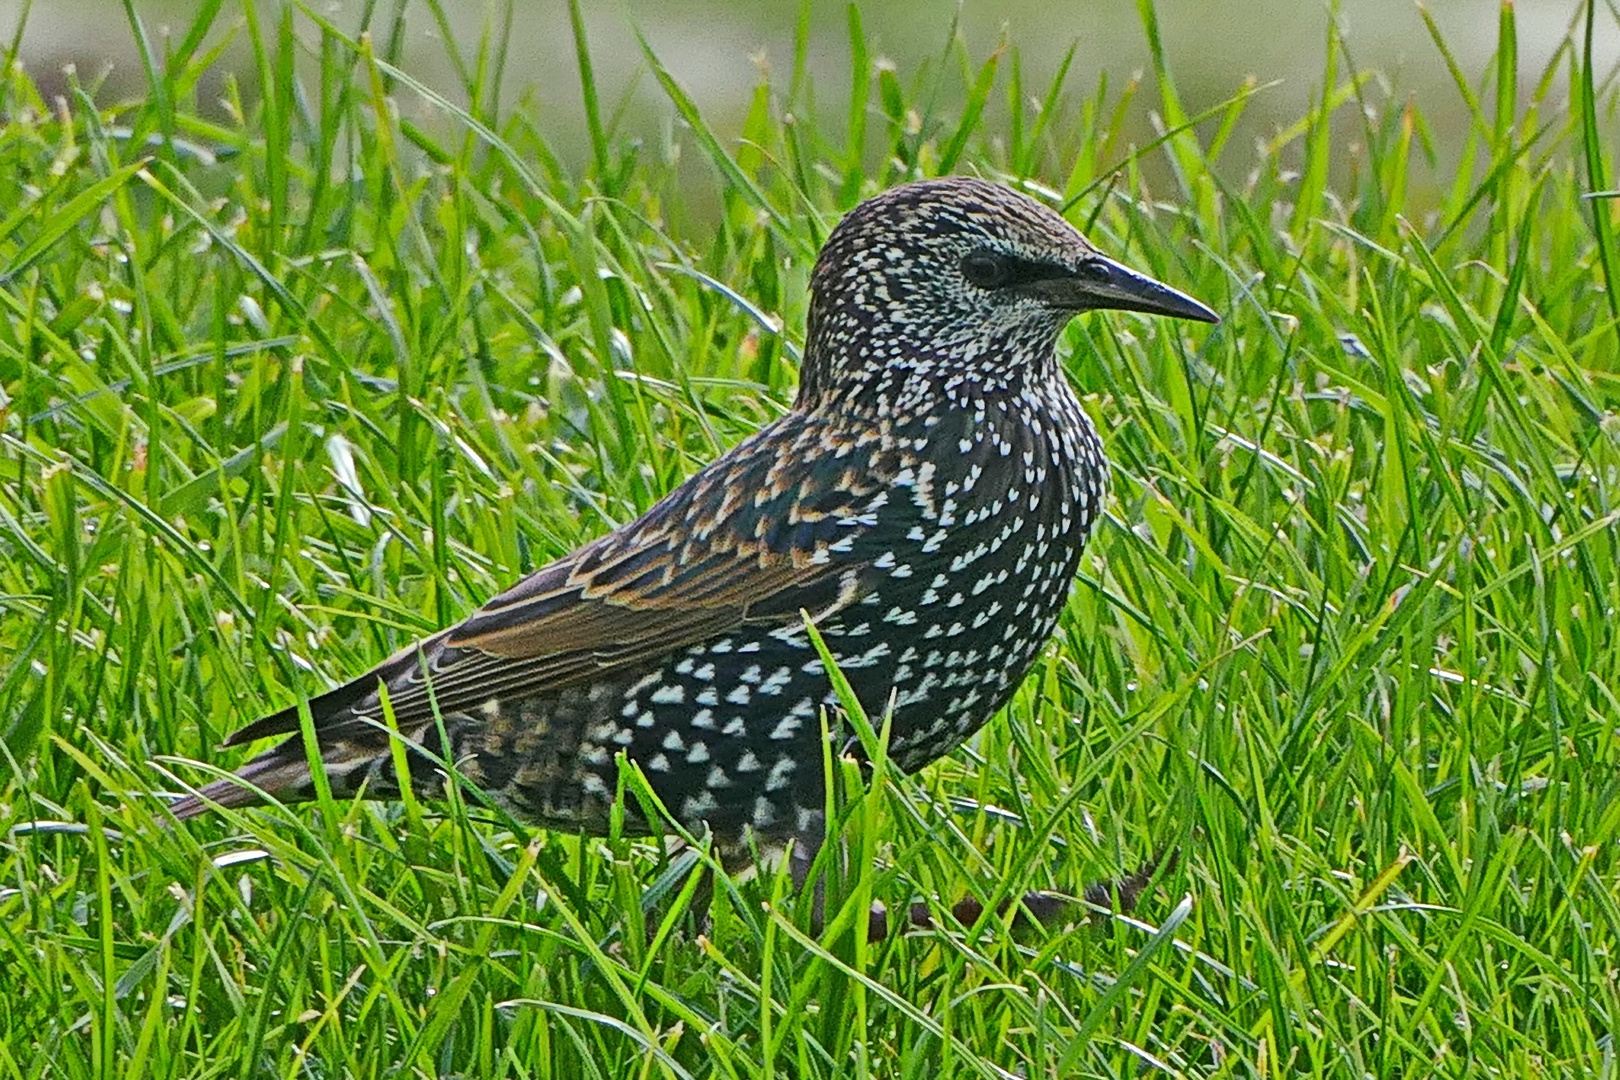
(923, 504)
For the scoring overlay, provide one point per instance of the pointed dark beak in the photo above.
(1101, 283)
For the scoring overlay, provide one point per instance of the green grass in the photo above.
(288, 382)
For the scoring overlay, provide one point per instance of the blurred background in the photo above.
(717, 49)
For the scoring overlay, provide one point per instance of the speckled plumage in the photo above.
(926, 501)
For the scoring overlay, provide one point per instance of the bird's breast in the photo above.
(990, 503)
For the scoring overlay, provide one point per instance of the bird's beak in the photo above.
(1101, 283)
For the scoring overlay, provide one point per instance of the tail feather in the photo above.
(283, 772)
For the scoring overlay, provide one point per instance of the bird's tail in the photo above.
(283, 772)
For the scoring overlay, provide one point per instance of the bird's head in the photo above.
(958, 275)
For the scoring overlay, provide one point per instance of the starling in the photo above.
(925, 502)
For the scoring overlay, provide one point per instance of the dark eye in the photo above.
(985, 269)
(1093, 271)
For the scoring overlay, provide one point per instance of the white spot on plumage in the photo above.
(780, 773)
(646, 681)
(694, 807)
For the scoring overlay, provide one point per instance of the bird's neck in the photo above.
(892, 380)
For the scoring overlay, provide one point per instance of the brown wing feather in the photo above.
(692, 568)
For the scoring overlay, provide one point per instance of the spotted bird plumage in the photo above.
(926, 501)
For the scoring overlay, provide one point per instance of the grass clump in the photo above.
(287, 383)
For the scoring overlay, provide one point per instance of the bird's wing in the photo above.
(753, 538)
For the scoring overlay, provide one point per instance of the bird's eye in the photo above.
(985, 269)
(1094, 271)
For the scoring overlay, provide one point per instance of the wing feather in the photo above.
(693, 568)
